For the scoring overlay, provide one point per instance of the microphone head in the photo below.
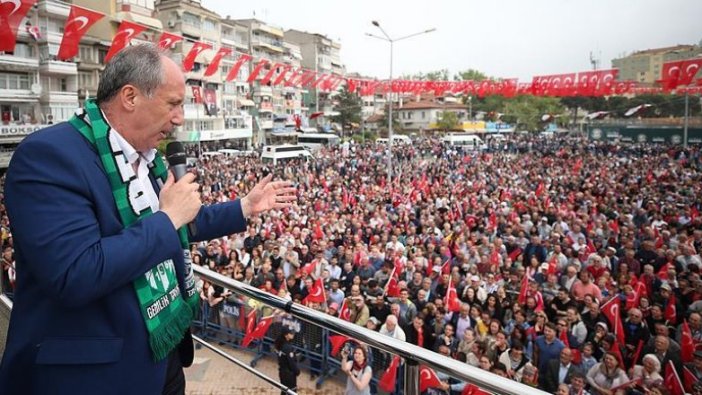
(175, 153)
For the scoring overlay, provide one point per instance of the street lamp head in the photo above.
(375, 23)
(433, 29)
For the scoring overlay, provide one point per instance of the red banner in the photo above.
(11, 15)
(196, 50)
(167, 40)
(79, 21)
(237, 66)
(197, 94)
(256, 70)
(127, 30)
(212, 67)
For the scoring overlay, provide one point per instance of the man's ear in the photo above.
(128, 97)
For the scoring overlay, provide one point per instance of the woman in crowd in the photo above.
(606, 375)
(358, 372)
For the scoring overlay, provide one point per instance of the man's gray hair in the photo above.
(138, 65)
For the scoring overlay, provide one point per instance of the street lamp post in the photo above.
(392, 42)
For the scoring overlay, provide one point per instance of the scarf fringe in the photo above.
(167, 336)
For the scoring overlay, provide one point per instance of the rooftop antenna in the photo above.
(594, 61)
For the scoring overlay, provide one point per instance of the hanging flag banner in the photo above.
(127, 30)
(212, 68)
(11, 15)
(237, 66)
(79, 21)
(196, 50)
(168, 40)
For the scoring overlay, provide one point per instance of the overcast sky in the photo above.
(502, 38)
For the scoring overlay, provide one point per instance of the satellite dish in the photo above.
(36, 89)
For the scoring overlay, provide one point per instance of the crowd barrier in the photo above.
(311, 343)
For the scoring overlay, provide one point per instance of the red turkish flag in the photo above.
(258, 331)
(237, 66)
(514, 254)
(389, 379)
(472, 389)
(670, 75)
(688, 70)
(391, 288)
(689, 379)
(78, 22)
(281, 76)
(452, 303)
(214, 65)
(197, 94)
(585, 87)
(523, 290)
(671, 313)
(672, 380)
(11, 15)
(196, 50)
(316, 293)
(256, 70)
(611, 310)
(337, 341)
(167, 40)
(250, 321)
(687, 345)
(269, 75)
(606, 81)
(428, 379)
(126, 31)
(344, 312)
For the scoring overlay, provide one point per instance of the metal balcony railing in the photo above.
(413, 355)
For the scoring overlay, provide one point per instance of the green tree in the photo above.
(349, 109)
(396, 126)
(447, 120)
(470, 74)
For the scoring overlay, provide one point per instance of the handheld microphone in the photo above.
(175, 154)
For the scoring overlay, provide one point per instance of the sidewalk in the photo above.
(214, 375)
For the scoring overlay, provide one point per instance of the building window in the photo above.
(191, 20)
(86, 54)
(63, 84)
(24, 51)
(424, 115)
(209, 25)
(86, 79)
(14, 81)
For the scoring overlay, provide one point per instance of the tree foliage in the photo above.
(470, 74)
(447, 120)
(349, 108)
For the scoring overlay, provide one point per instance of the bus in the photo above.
(280, 153)
(315, 141)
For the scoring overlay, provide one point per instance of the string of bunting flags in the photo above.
(677, 76)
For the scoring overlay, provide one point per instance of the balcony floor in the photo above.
(213, 375)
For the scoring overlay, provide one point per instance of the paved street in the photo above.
(213, 375)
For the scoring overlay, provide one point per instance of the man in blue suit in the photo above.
(104, 282)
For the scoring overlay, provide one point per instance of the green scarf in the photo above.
(167, 312)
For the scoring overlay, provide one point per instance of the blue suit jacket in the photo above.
(76, 326)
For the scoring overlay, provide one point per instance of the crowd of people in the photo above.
(505, 259)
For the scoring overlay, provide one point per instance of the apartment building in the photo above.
(646, 66)
(36, 90)
(220, 117)
(323, 55)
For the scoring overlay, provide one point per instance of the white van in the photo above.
(278, 153)
(396, 139)
(466, 141)
(315, 141)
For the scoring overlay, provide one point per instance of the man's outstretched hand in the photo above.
(268, 195)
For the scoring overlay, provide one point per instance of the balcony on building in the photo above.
(54, 8)
(130, 11)
(58, 67)
(265, 107)
(263, 91)
(18, 62)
